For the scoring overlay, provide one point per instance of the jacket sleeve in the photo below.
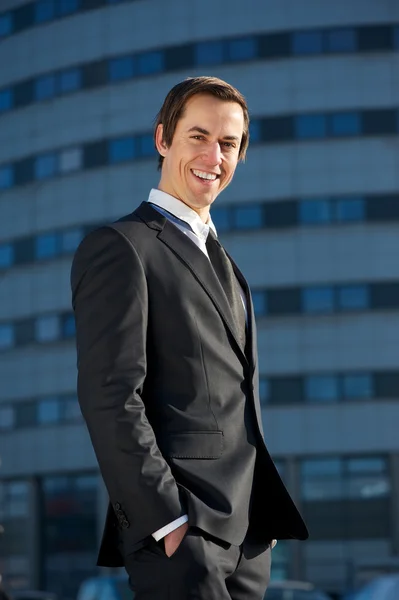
(110, 301)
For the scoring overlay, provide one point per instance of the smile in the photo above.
(205, 176)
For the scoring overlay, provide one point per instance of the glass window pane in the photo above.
(6, 336)
(46, 166)
(146, 147)
(45, 87)
(345, 123)
(121, 68)
(310, 126)
(221, 217)
(6, 24)
(264, 390)
(6, 177)
(67, 7)
(396, 37)
(353, 297)
(209, 53)
(322, 388)
(71, 239)
(49, 411)
(307, 42)
(47, 245)
(69, 80)
(47, 328)
(255, 134)
(44, 10)
(322, 479)
(122, 149)
(6, 256)
(6, 99)
(318, 300)
(248, 217)
(150, 62)
(70, 160)
(243, 48)
(358, 386)
(7, 417)
(350, 209)
(315, 212)
(341, 40)
(68, 326)
(369, 464)
(259, 302)
(71, 409)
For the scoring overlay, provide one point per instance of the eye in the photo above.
(229, 145)
(197, 137)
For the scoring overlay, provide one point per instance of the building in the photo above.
(312, 218)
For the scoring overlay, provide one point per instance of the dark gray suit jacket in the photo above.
(169, 396)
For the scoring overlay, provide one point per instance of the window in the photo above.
(242, 49)
(45, 87)
(307, 42)
(248, 217)
(150, 62)
(24, 93)
(209, 53)
(146, 146)
(315, 212)
(23, 17)
(387, 384)
(321, 479)
(44, 10)
(318, 300)
(95, 154)
(357, 386)
(286, 390)
(384, 295)
(121, 68)
(47, 328)
(6, 99)
(259, 302)
(24, 332)
(17, 498)
(6, 256)
(281, 214)
(373, 38)
(95, 74)
(264, 390)
(67, 7)
(350, 209)
(379, 121)
(341, 40)
(71, 239)
(24, 250)
(283, 301)
(275, 45)
(70, 160)
(367, 478)
(6, 24)
(276, 129)
(310, 126)
(396, 37)
(49, 411)
(321, 388)
(353, 297)
(122, 149)
(221, 217)
(46, 166)
(6, 417)
(6, 177)
(47, 245)
(71, 409)
(69, 80)
(6, 336)
(179, 57)
(255, 134)
(345, 123)
(68, 326)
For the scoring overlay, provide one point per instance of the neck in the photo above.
(202, 212)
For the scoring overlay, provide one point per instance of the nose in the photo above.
(213, 154)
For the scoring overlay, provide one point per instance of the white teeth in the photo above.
(205, 175)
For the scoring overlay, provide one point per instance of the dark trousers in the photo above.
(202, 568)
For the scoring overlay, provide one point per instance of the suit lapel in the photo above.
(194, 259)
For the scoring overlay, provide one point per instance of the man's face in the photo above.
(203, 155)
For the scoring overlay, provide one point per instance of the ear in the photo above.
(159, 141)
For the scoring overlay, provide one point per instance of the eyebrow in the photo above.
(205, 132)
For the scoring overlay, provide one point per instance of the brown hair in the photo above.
(174, 104)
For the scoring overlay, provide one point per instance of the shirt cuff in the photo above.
(160, 533)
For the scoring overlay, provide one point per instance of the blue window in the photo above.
(6, 177)
(44, 11)
(350, 209)
(6, 256)
(6, 99)
(70, 240)
(68, 326)
(6, 336)
(345, 123)
(121, 68)
(322, 388)
(45, 87)
(307, 42)
(341, 40)
(310, 126)
(243, 49)
(210, 53)
(146, 147)
(49, 411)
(315, 212)
(221, 216)
(47, 245)
(260, 302)
(6, 24)
(318, 299)
(122, 149)
(353, 297)
(248, 217)
(69, 80)
(46, 166)
(358, 385)
(67, 7)
(150, 62)
(396, 37)
(255, 134)
(264, 390)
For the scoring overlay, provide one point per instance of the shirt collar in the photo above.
(182, 211)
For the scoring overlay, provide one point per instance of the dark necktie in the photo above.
(225, 273)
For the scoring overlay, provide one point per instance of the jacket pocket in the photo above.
(193, 444)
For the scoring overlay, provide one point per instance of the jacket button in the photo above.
(125, 524)
(117, 506)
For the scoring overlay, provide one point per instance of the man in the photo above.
(168, 376)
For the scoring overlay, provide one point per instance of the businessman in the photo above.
(168, 374)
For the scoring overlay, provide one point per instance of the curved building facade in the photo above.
(312, 219)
